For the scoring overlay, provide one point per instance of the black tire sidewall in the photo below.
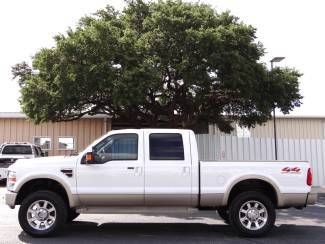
(234, 213)
(58, 203)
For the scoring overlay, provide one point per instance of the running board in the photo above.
(136, 210)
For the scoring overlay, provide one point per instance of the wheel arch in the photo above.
(44, 183)
(252, 182)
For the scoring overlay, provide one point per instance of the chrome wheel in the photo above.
(253, 215)
(41, 215)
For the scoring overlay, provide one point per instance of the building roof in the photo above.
(18, 115)
(293, 116)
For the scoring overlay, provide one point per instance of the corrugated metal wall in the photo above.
(295, 128)
(84, 131)
(232, 148)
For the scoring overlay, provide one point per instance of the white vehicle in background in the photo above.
(10, 152)
(153, 171)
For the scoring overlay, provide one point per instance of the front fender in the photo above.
(68, 186)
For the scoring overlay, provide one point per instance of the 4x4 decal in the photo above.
(292, 170)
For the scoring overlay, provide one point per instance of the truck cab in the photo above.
(144, 160)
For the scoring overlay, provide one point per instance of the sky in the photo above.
(292, 28)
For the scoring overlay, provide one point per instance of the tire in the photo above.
(72, 214)
(256, 222)
(46, 211)
(224, 214)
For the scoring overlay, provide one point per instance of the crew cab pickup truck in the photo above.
(155, 171)
(10, 152)
(5, 162)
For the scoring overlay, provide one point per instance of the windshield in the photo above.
(17, 149)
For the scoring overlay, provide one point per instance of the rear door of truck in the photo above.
(168, 168)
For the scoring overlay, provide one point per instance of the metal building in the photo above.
(63, 138)
(288, 127)
(298, 138)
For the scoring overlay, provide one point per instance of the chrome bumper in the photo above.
(11, 199)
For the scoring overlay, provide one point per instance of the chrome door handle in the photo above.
(137, 170)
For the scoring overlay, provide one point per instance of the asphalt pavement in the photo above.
(292, 226)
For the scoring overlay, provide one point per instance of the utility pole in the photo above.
(275, 60)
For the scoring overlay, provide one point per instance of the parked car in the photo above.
(25, 149)
(155, 171)
(10, 152)
(5, 162)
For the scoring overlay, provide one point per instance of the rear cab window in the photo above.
(166, 146)
(17, 149)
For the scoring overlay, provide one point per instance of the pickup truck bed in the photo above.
(218, 181)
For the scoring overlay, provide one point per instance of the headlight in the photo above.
(11, 180)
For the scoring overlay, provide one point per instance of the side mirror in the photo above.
(90, 158)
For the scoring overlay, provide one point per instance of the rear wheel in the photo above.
(252, 214)
(42, 213)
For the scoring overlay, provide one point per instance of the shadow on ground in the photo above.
(315, 213)
(90, 232)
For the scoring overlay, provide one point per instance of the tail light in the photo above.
(309, 177)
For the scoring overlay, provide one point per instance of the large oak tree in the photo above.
(166, 63)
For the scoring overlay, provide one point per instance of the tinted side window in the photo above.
(17, 149)
(117, 147)
(166, 146)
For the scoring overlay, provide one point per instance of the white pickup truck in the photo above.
(156, 171)
(10, 152)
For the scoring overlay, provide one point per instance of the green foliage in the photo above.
(166, 63)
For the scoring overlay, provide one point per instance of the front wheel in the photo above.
(42, 213)
(252, 214)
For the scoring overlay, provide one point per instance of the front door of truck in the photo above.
(117, 177)
(168, 168)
